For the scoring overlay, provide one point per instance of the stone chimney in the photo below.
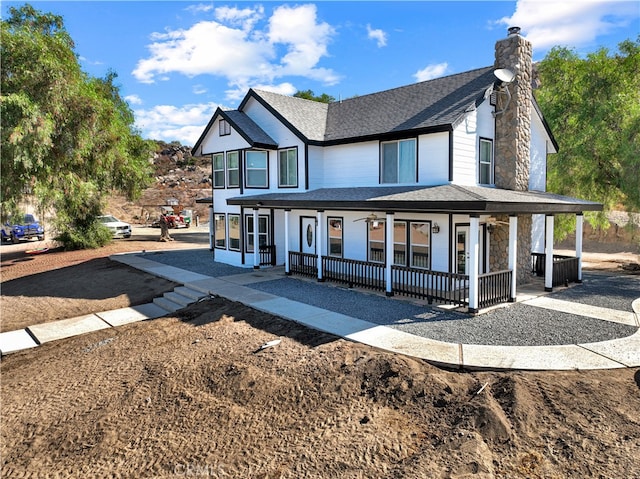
(512, 146)
(513, 118)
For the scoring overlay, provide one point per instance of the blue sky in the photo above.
(177, 61)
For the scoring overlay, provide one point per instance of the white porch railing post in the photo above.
(287, 269)
(513, 254)
(474, 250)
(319, 243)
(579, 229)
(548, 254)
(211, 228)
(389, 255)
(256, 247)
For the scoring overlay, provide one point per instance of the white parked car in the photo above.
(119, 229)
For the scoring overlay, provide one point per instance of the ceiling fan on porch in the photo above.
(369, 219)
(492, 220)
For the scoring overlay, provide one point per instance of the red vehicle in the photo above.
(175, 220)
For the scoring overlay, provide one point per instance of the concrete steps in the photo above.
(179, 298)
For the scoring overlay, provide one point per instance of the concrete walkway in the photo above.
(616, 353)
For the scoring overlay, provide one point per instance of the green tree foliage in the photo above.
(68, 138)
(592, 105)
(309, 95)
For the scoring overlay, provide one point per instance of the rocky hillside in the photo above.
(178, 178)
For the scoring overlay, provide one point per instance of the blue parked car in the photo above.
(24, 227)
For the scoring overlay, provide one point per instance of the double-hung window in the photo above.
(376, 241)
(220, 231)
(224, 128)
(218, 170)
(486, 162)
(398, 161)
(288, 168)
(335, 237)
(256, 169)
(263, 232)
(233, 169)
(400, 243)
(234, 232)
(419, 243)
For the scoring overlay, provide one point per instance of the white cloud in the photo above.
(168, 122)
(233, 47)
(378, 35)
(200, 8)
(199, 89)
(568, 23)
(133, 99)
(431, 71)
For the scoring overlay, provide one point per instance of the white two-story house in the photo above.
(434, 190)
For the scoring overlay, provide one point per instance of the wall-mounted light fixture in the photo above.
(435, 229)
(490, 228)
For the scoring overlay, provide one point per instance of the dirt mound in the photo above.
(195, 395)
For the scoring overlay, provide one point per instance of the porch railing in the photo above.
(494, 288)
(304, 264)
(448, 288)
(267, 255)
(565, 268)
(353, 272)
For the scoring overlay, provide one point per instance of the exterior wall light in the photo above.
(435, 229)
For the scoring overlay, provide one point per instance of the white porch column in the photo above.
(548, 252)
(286, 242)
(256, 240)
(319, 243)
(389, 255)
(211, 228)
(579, 229)
(513, 254)
(474, 261)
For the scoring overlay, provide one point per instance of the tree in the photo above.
(309, 95)
(67, 138)
(592, 105)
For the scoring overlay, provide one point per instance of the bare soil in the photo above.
(192, 394)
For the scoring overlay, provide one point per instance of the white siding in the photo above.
(214, 143)
(350, 165)
(538, 155)
(465, 151)
(433, 159)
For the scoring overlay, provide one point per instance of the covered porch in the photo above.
(476, 288)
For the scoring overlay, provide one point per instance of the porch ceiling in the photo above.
(441, 199)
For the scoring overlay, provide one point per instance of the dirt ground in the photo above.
(192, 394)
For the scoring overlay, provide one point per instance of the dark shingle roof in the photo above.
(442, 198)
(249, 129)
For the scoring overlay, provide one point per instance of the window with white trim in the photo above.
(398, 161)
(218, 170)
(234, 232)
(485, 176)
(335, 236)
(220, 231)
(288, 168)
(376, 241)
(224, 128)
(233, 169)
(420, 244)
(400, 243)
(263, 232)
(256, 169)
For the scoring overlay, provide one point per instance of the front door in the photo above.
(462, 249)
(308, 235)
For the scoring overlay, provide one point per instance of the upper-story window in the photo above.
(288, 168)
(256, 169)
(233, 169)
(218, 170)
(485, 176)
(224, 128)
(398, 161)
